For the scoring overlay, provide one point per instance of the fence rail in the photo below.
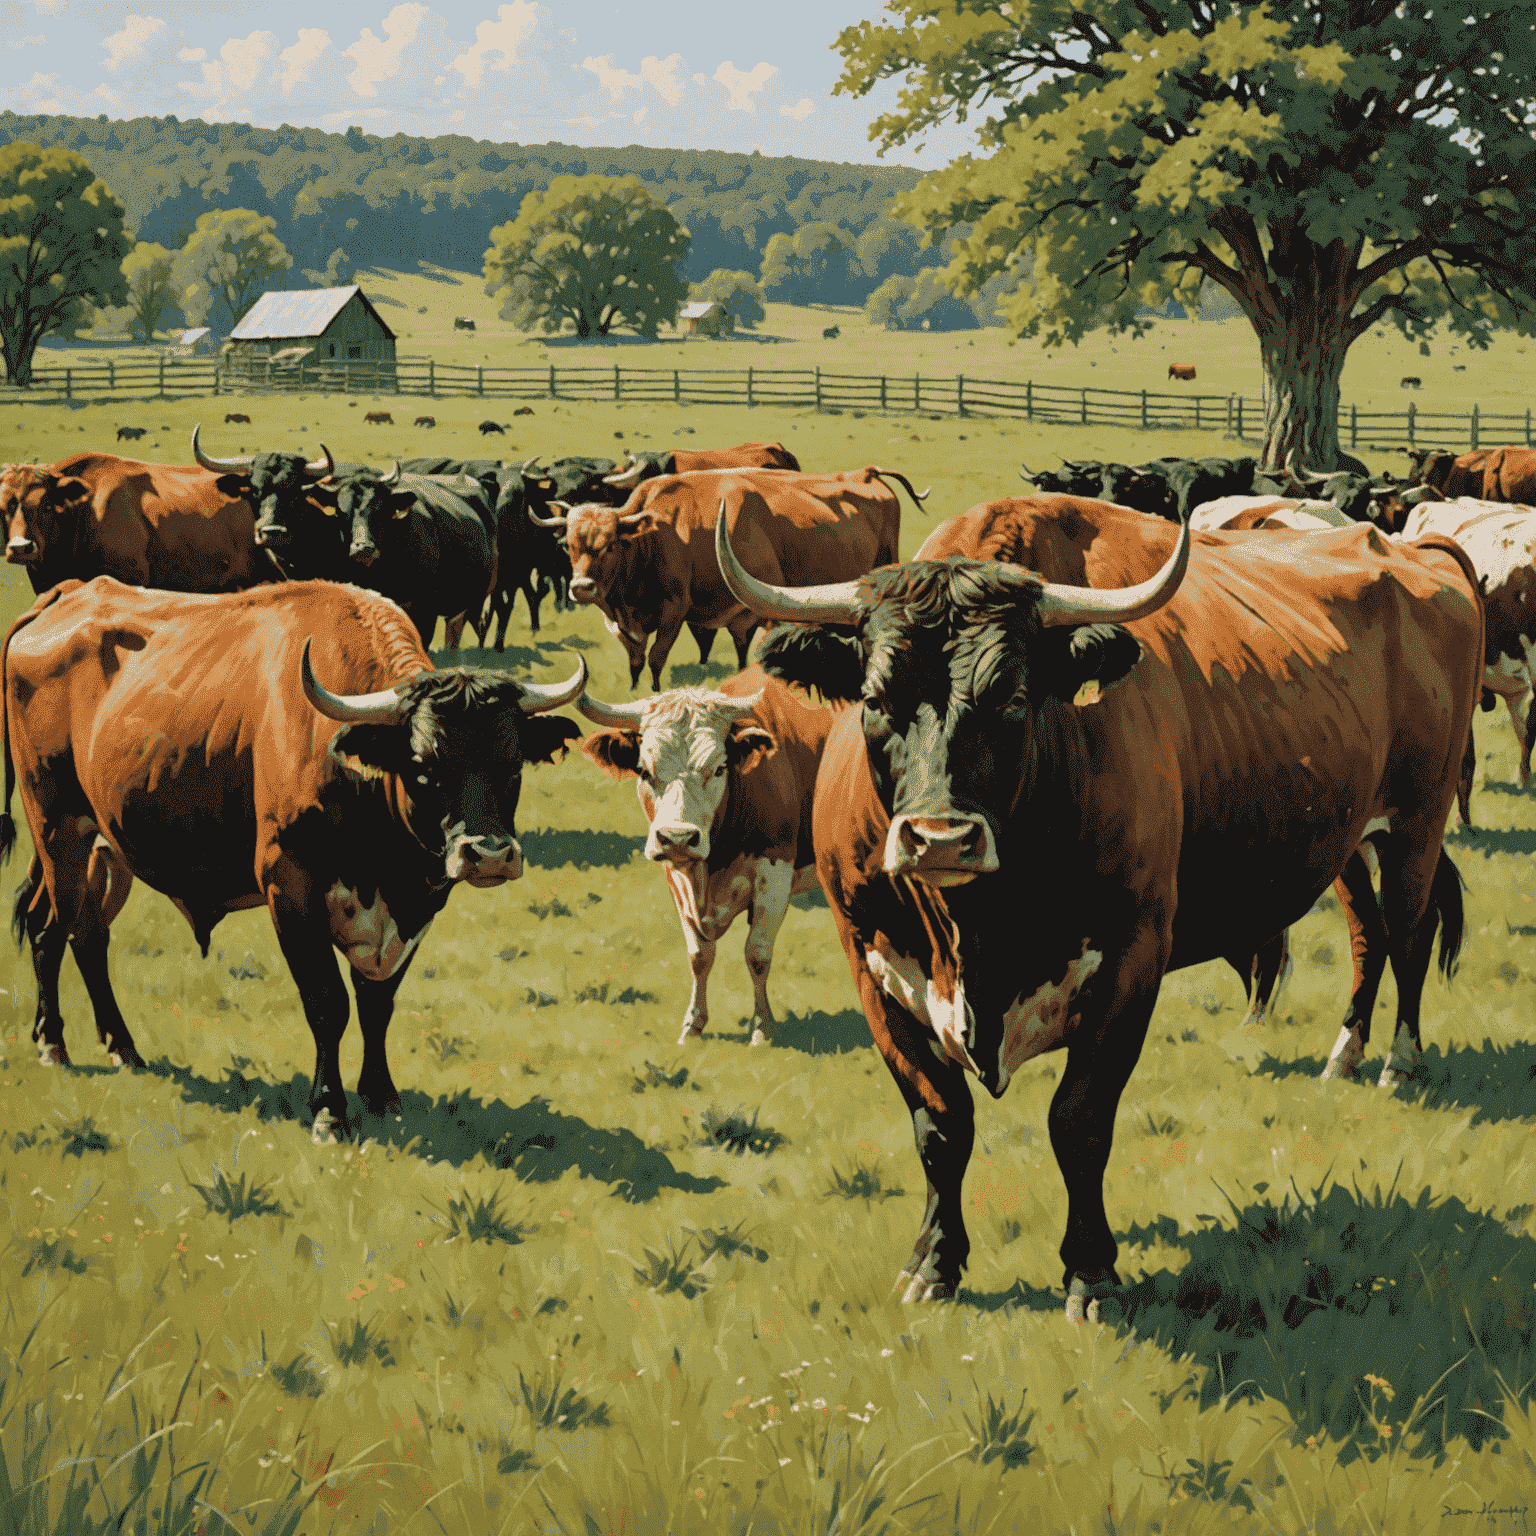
(800, 388)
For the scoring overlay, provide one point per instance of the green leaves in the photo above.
(598, 251)
(232, 255)
(62, 245)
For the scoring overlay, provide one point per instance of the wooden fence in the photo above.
(797, 388)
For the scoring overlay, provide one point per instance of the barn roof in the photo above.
(309, 313)
(698, 309)
(189, 338)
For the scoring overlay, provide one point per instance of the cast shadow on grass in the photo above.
(1508, 787)
(1019, 1297)
(532, 1141)
(821, 1034)
(1496, 1082)
(548, 848)
(518, 659)
(693, 674)
(1520, 841)
(1299, 1301)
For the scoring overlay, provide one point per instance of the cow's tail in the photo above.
(1445, 898)
(918, 497)
(7, 822)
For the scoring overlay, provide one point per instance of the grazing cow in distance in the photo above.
(1185, 371)
(154, 525)
(831, 333)
(131, 434)
(1411, 381)
(463, 323)
(379, 418)
(978, 757)
(425, 421)
(725, 778)
(488, 427)
(650, 566)
(236, 416)
(142, 749)
(523, 410)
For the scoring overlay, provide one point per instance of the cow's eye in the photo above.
(645, 776)
(718, 771)
(403, 512)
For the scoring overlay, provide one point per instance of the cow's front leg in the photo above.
(670, 625)
(1368, 948)
(47, 941)
(701, 955)
(772, 882)
(375, 1007)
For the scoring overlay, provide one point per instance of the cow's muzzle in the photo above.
(679, 844)
(21, 551)
(483, 861)
(364, 554)
(940, 850)
(583, 589)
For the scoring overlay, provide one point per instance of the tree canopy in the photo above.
(816, 264)
(153, 294)
(737, 293)
(597, 251)
(62, 245)
(1330, 166)
(231, 259)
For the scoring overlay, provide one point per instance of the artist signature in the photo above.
(1490, 1513)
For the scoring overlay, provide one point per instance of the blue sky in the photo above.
(687, 75)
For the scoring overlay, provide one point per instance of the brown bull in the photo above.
(650, 565)
(725, 778)
(1054, 794)
(189, 741)
(684, 461)
(152, 525)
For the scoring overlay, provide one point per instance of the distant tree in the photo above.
(62, 245)
(598, 251)
(737, 293)
(152, 292)
(339, 271)
(888, 246)
(232, 257)
(815, 265)
(904, 303)
(1330, 166)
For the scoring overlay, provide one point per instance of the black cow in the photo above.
(1072, 479)
(487, 427)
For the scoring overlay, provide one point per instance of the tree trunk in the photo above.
(1302, 365)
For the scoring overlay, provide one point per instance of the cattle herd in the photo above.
(1136, 720)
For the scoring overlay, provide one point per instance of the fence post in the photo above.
(432, 377)
(960, 393)
(1085, 407)
(1197, 413)
(162, 375)
(677, 387)
(1474, 426)
(1527, 426)
(917, 391)
(750, 401)
(215, 378)
(68, 388)
(551, 381)
(616, 382)
(1410, 423)
(818, 388)
(1029, 400)
(111, 376)
(1239, 417)
(1143, 411)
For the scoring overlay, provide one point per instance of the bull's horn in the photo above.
(532, 463)
(1060, 604)
(1309, 474)
(538, 697)
(238, 466)
(558, 524)
(625, 479)
(833, 603)
(351, 708)
(393, 477)
(1025, 472)
(1382, 490)
(618, 717)
(322, 468)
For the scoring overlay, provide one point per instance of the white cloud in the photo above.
(801, 110)
(108, 95)
(242, 61)
(29, 42)
(301, 58)
(614, 81)
(35, 93)
(351, 115)
(512, 28)
(379, 58)
(131, 41)
(743, 85)
(51, 7)
(588, 122)
(662, 73)
(458, 116)
(640, 115)
(192, 55)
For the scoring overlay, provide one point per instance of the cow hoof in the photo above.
(761, 1036)
(919, 1289)
(328, 1129)
(1345, 1057)
(126, 1057)
(53, 1055)
(1391, 1076)
(690, 1033)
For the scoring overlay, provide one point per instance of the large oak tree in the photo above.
(1331, 164)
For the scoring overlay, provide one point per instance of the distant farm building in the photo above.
(194, 343)
(324, 326)
(706, 318)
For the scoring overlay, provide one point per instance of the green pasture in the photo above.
(592, 1282)
(420, 308)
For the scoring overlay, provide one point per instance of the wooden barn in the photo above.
(322, 325)
(705, 317)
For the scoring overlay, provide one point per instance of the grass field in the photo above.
(590, 1282)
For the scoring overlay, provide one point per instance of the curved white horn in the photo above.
(557, 523)
(322, 468)
(625, 479)
(1310, 474)
(618, 717)
(236, 466)
(393, 477)
(532, 463)
(351, 708)
(538, 697)
(1061, 604)
(833, 603)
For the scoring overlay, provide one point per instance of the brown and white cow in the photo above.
(189, 741)
(154, 525)
(1182, 371)
(1015, 858)
(650, 565)
(684, 461)
(725, 777)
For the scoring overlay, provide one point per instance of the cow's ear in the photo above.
(233, 485)
(546, 738)
(747, 745)
(615, 752)
(816, 656)
(1077, 663)
(370, 751)
(70, 493)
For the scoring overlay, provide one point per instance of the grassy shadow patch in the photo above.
(587, 849)
(1519, 841)
(1307, 1300)
(1019, 1297)
(823, 1034)
(810, 901)
(1508, 787)
(693, 674)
